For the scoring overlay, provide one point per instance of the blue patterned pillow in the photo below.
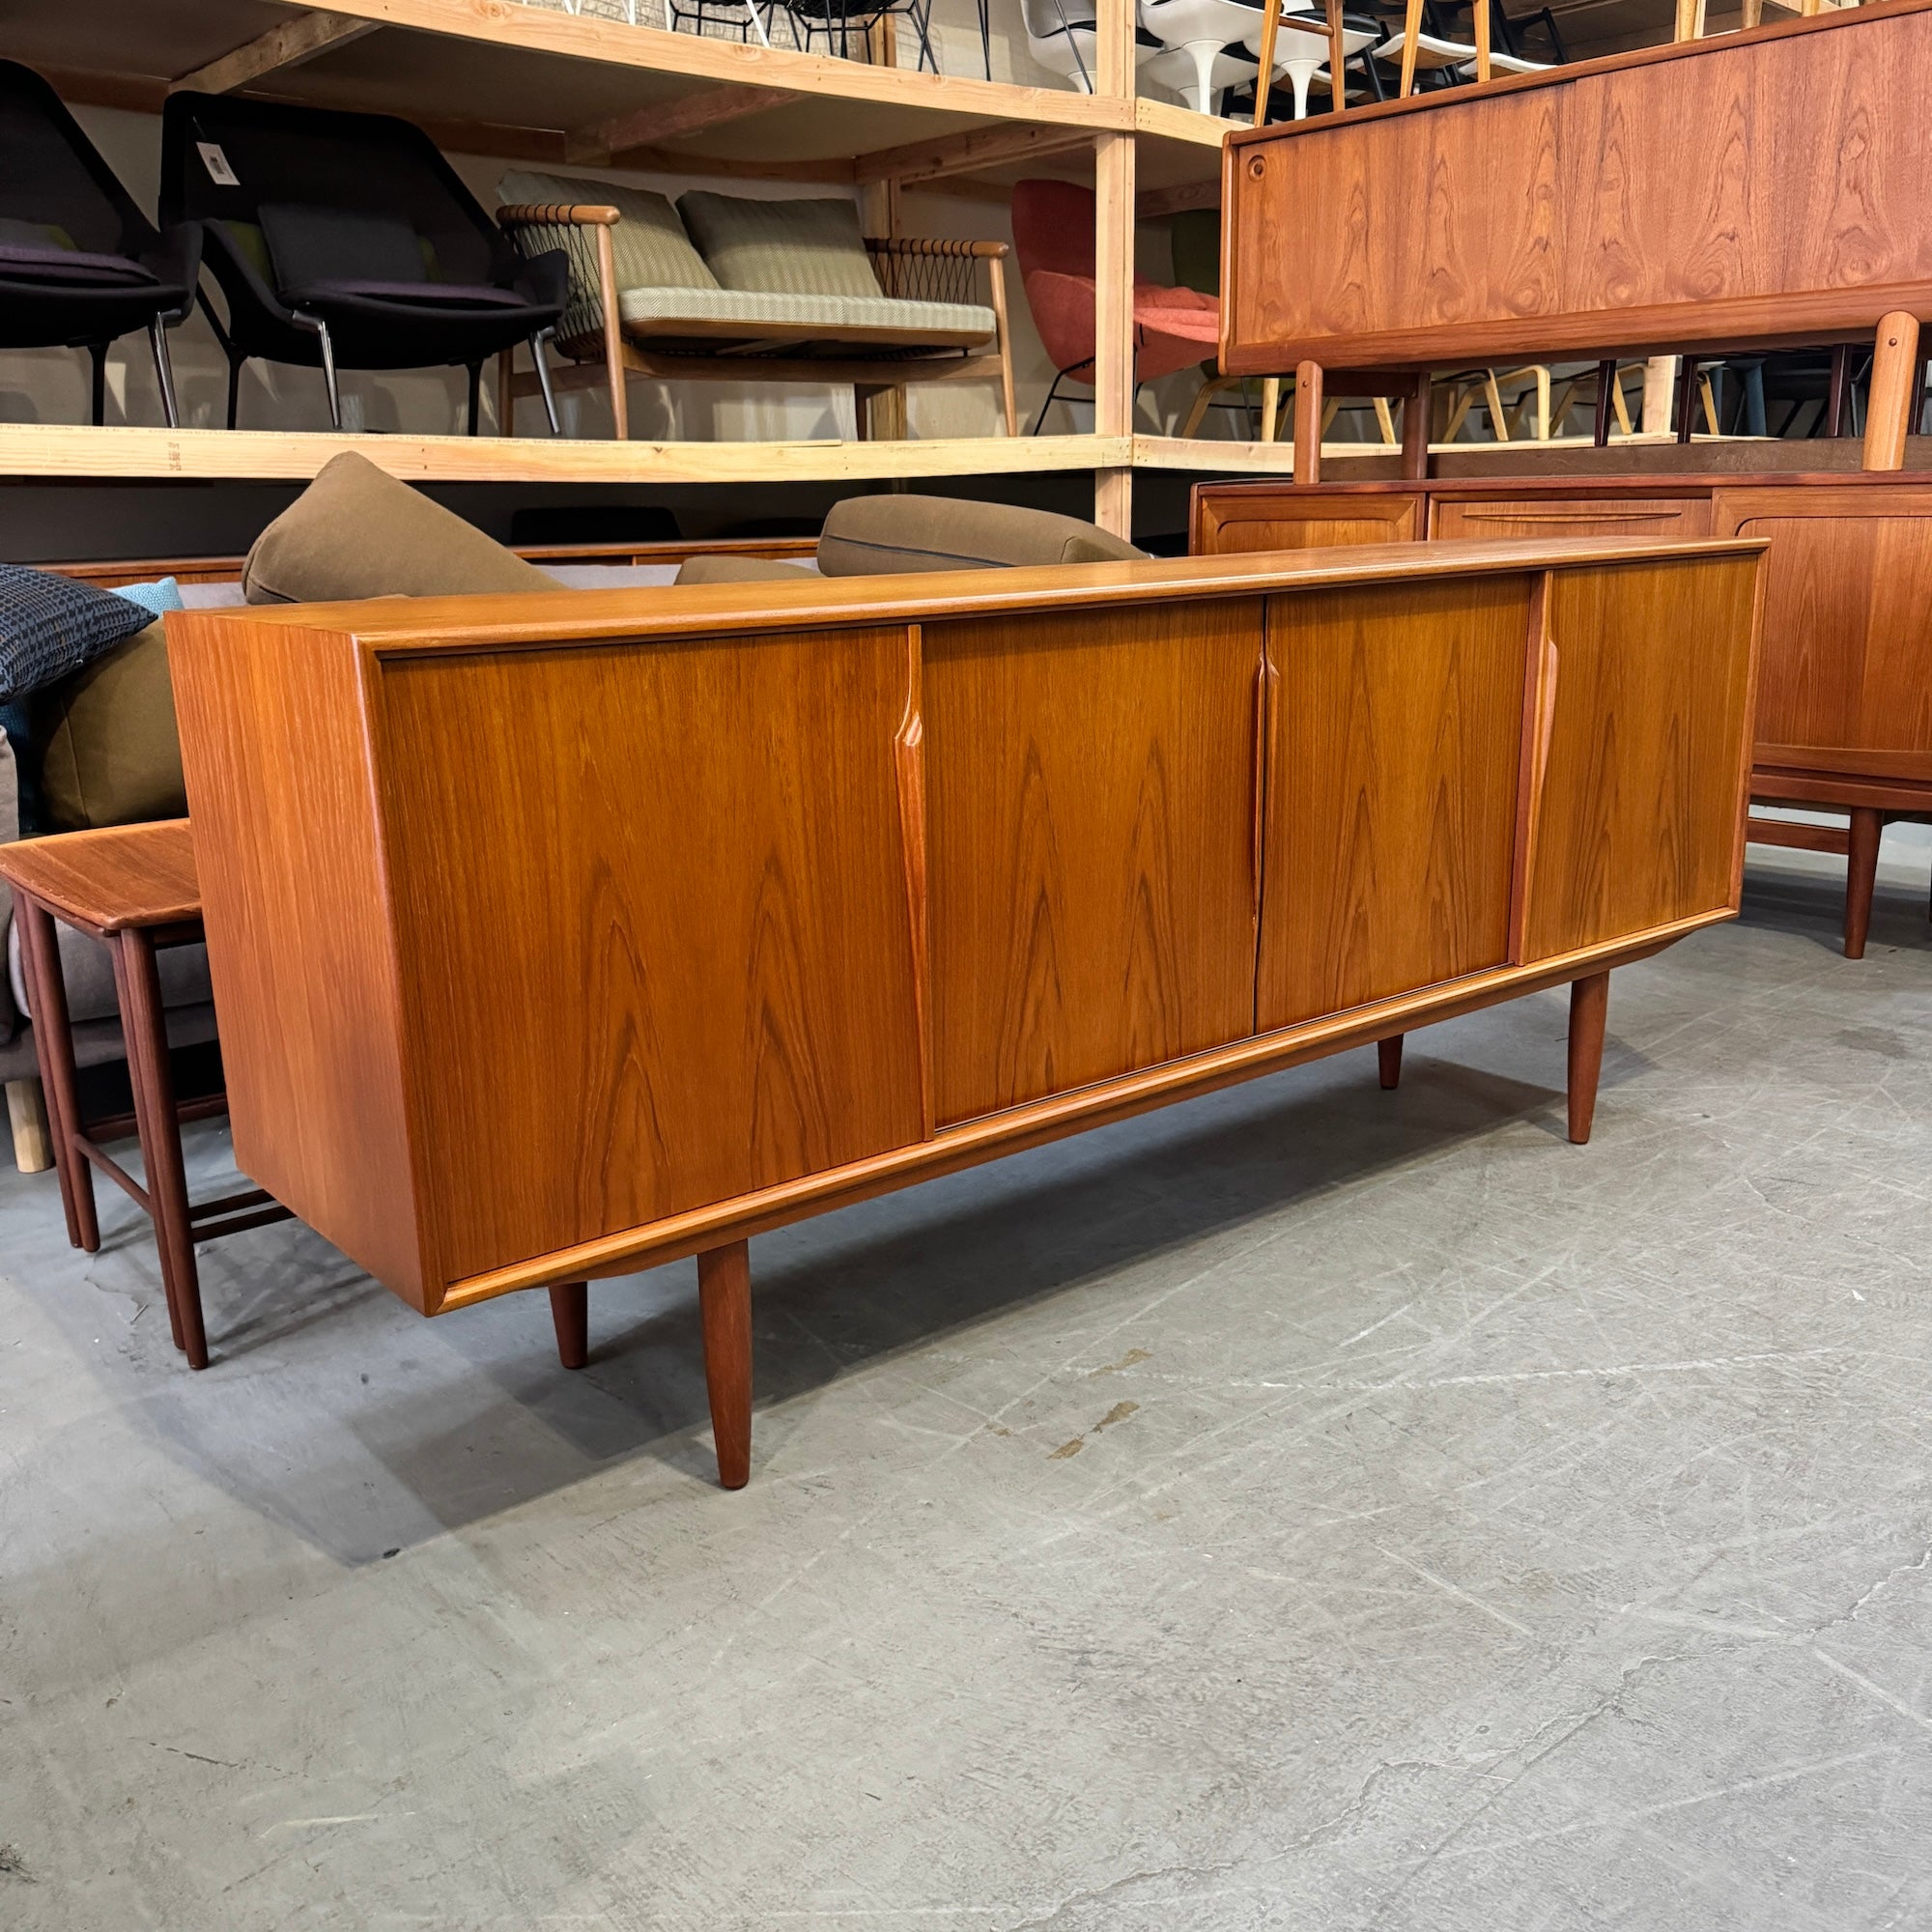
(51, 625)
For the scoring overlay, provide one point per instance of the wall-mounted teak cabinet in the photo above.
(555, 934)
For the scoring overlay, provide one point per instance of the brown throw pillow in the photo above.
(355, 532)
(108, 753)
(873, 536)
(727, 569)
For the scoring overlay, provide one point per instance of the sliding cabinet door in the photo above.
(1089, 786)
(1392, 790)
(1642, 752)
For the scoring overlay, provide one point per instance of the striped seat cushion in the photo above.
(756, 308)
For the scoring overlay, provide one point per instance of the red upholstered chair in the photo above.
(1053, 241)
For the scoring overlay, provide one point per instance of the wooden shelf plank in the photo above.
(138, 453)
(613, 43)
(1209, 453)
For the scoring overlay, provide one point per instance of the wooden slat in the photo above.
(78, 450)
(961, 154)
(667, 121)
(1794, 832)
(285, 45)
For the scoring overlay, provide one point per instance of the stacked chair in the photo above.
(80, 266)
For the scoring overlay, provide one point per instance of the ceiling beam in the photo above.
(673, 121)
(965, 154)
(280, 48)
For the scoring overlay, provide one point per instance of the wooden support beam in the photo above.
(963, 153)
(279, 48)
(1114, 267)
(673, 121)
(1155, 202)
(1893, 399)
(1308, 422)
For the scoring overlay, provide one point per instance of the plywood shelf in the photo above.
(137, 453)
(490, 76)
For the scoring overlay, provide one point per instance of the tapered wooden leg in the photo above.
(54, 1046)
(27, 1115)
(570, 1312)
(1589, 1005)
(142, 1023)
(1389, 1062)
(1860, 876)
(724, 1301)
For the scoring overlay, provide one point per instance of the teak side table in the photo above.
(134, 888)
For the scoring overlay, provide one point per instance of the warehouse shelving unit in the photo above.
(527, 83)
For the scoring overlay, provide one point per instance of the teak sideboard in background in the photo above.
(1750, 190)
(1844, 713)
(560, 935)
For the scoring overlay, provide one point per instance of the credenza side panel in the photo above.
(1395, 748)
(654, 934)
(1636, 808)
(1846, 683)
(1089, 786)
(295, 902)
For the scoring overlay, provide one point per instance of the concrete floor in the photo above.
(1309, 1508)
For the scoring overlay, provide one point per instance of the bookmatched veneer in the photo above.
(556, 936)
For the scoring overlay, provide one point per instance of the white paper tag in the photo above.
(217, 165)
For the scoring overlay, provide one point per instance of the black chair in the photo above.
(80, 266)
(346, 242)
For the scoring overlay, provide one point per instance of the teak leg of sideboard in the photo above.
(1389, 1062)
(1860, 876)
(1589, 1006)
(724, 1303)
(570, 1312)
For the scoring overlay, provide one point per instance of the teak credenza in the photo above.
(556, 936)
(1844, 711)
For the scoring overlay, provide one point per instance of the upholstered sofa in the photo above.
(726, 288)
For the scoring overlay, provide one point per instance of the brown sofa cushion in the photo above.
(739, 570)
(106, 736)
(355, 532)
(872, 536)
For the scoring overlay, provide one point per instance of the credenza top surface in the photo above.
(393, 627)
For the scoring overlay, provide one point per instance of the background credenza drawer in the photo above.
(1571, 517)
(1282, 519)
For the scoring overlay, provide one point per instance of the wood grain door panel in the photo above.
(1284, 522)
(1574, 517)
(1637, 807)
(1089, 813)
(666, 885)
(1847, 650)
(1393, 774)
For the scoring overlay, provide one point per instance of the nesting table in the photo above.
(134, 889)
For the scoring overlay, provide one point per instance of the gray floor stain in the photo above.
(1486, 1534)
